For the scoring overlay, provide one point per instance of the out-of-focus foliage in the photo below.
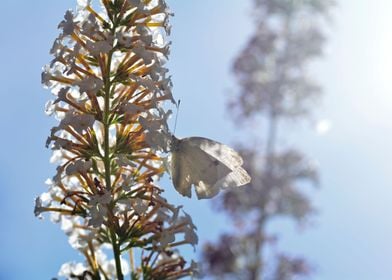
(272, 69)
(274, 86)
(274, 190)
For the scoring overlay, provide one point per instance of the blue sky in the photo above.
(350, 236)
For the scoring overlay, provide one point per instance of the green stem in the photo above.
(107, 164)
(116, 253)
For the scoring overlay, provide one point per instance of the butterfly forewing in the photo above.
(223, 153)
(227, 156)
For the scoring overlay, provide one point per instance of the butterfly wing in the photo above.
(190, 165)
(218, 150)
(227, 156)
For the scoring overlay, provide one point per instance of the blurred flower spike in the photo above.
(275, 90)
(110, 84)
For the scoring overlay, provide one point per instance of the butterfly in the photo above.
(206, 164)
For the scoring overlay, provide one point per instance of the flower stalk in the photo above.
(110, 86)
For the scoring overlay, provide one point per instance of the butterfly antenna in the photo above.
(175, 122)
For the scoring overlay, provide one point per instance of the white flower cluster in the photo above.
(110, 85)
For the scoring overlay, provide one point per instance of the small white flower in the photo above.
(90, 84)
(99, 47)
(90, 26)
(70, 268)
(46, 76)
(166, 238)
(104, 198)
(110, 268)
(139, 205)
(78, 122)
(57, 48)
(78, 166)
(158, 140)
(131, 109)
(97, 215)
(128, 181)
(144, 54)
(146, 83)
(62, 95)
(158, 72)
(50, 108)
(153, 122)
(59, 143)
(79, 238)
(38, 209)
(164, 257)
(68, 25)
(83, 3)
(67, 225)
(191, 237)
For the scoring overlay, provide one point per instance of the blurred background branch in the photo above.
(273, 87)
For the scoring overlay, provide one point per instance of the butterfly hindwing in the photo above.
(206, 164)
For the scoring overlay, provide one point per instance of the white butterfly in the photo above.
(206, 164)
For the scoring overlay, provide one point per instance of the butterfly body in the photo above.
(206, 164)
